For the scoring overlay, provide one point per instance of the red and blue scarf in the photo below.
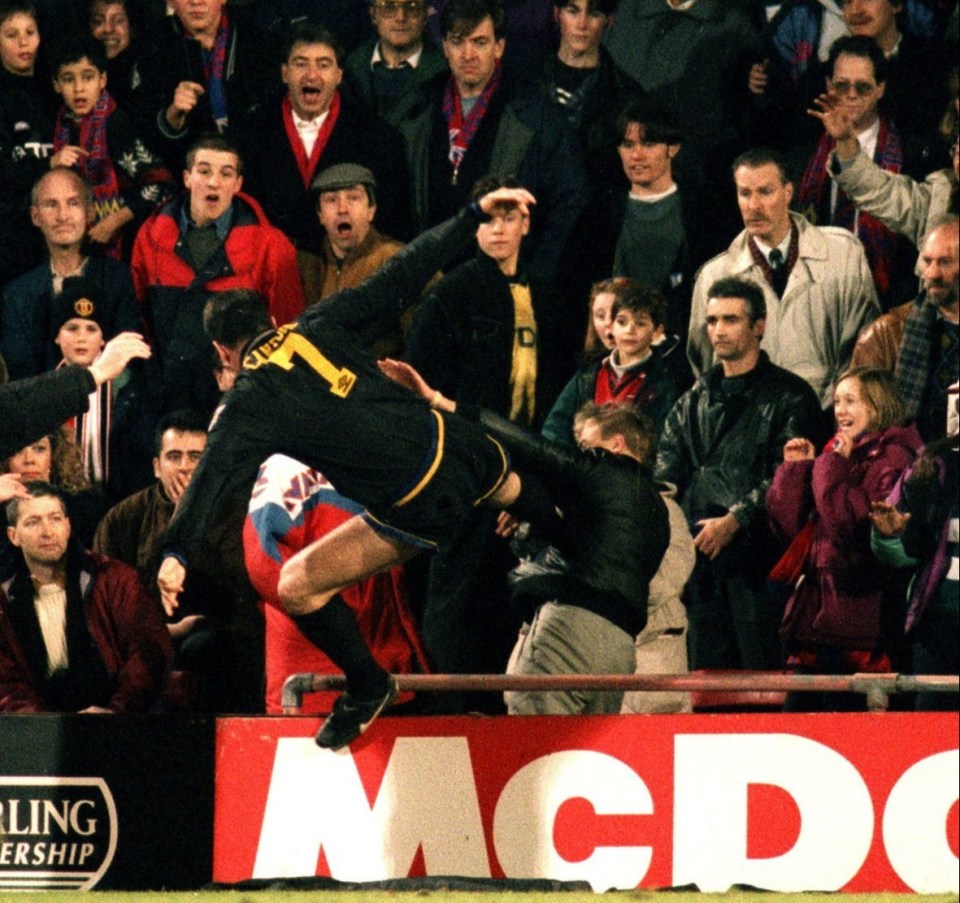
(90, 133)
(879, 243)
(460, 130)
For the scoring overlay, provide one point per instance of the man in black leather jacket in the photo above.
(720, 446)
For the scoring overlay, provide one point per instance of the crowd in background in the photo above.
(750, 206)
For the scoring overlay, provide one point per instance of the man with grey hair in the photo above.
(61, 207)
(389, 67)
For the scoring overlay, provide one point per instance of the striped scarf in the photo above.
(214, 72)
(91, 431)
(814, 201)
(90, 133)
(460, 130)
(916, 350)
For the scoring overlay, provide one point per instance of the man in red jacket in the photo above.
(210, 239)
(78, 632)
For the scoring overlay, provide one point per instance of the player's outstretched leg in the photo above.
(308, 588)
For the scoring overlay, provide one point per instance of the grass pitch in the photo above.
(440, 896)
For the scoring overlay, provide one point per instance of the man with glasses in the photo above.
(857, 80)
(388, 68)
(320, 122)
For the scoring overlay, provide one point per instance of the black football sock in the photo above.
(333, 630)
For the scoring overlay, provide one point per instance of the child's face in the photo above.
(633, 333)
(80, 341)
(81, 85)
(110, 25)
(602, 312)
(19, 42)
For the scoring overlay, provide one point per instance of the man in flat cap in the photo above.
(353, 248)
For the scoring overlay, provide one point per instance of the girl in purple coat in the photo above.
(841, 617)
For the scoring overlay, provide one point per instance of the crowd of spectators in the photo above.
(752, 206)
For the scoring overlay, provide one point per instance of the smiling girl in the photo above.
(841, 616)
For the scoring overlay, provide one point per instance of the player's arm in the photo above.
(372, 307)
(236, 447)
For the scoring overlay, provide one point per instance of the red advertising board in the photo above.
(855, 802)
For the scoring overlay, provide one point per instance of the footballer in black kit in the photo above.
(312, 391)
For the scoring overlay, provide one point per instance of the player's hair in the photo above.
(863, 47)
(878, 388)
(10, 8)
(764, 156)
(460, 17)
(184, 420)
(750, 293)
(36, 489)
(234, 317)
(656, 123)
(215, 142)
(75, 48)
(86, 191)
(641, 299)
(311, 33)
(621, 419)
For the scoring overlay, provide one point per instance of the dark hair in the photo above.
(75, 48)
(488, 183)
(9, 8)
(134, 11)
(215, 142)
(640, 299)
(764, 156)
(863, 47)
(311, 33)
(85, 188)
(748, 292)
(234, 317)
(623, 419)
(605, 7)
(460, 17)
(657, 124)
(36, 489)
(184, 420)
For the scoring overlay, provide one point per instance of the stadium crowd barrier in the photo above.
(860, 802)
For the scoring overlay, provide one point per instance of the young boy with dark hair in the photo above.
(635, 371)
(96, 138)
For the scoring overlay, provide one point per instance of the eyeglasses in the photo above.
(844, 87)
(390, 8)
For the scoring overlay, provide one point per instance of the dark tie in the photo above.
(779, 267)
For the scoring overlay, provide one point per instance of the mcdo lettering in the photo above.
(316, 803)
